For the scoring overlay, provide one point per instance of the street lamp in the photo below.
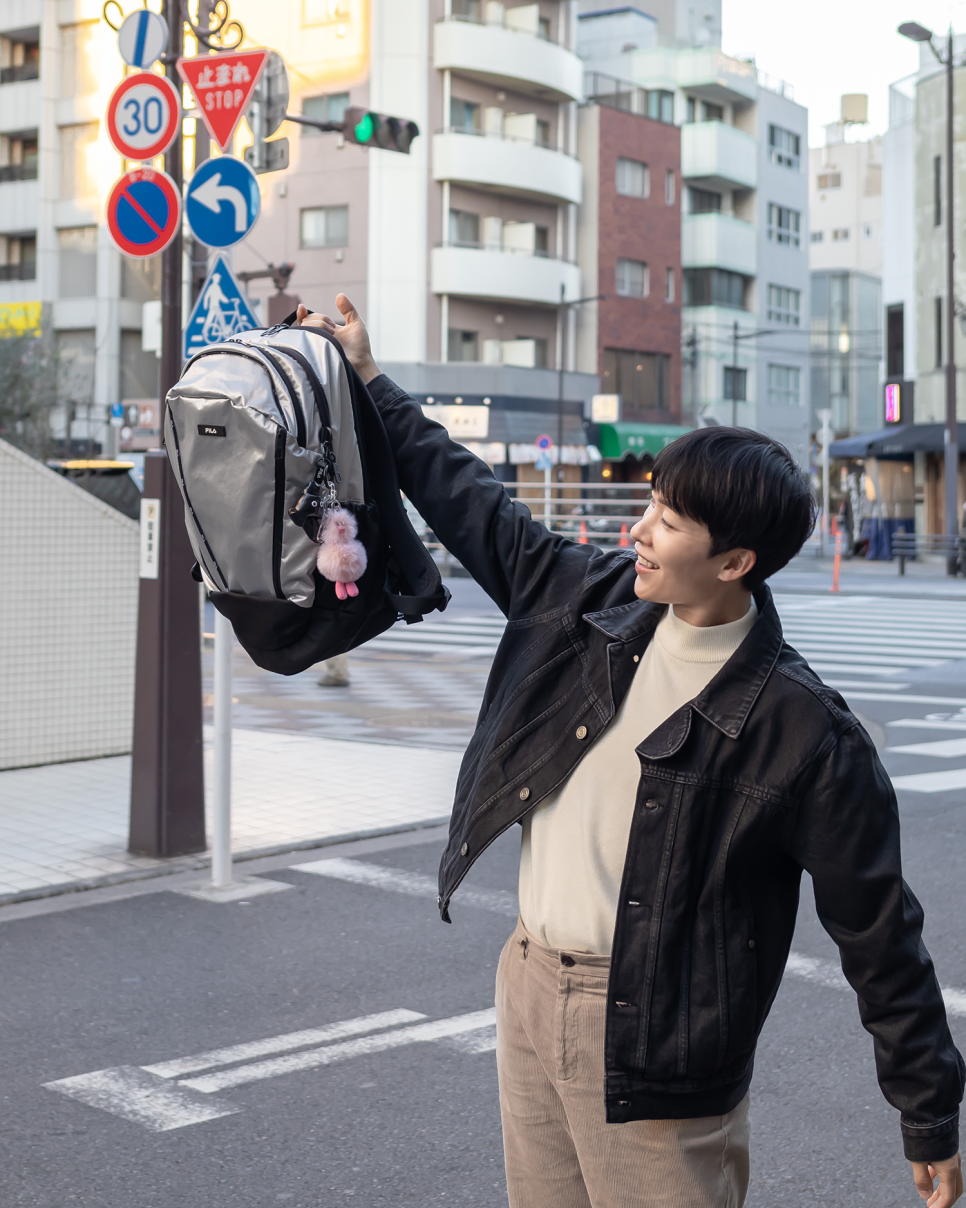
(919, 33)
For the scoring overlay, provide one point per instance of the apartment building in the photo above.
(629, 250)
(58, 267)
(845, 252)
(744, 203)
(460, 254)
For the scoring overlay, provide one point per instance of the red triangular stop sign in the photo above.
(222, 86)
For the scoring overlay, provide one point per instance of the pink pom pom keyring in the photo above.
(342, 557)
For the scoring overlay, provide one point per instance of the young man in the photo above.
(675, 766)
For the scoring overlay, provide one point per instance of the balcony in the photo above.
(20, 71)
(25, 171)
(505, 165)
(508, 58)
(25, 271)
(719, 241)
(716, 156)
(707, 74)
(501, 276)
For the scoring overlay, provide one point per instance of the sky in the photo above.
(827, 47)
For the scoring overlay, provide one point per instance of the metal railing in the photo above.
(910, 545)
(21, 71)
(26, 270)
(594, 513)
(25, 171)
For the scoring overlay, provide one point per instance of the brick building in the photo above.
(629, 240)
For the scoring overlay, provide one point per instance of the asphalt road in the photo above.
(404, 1113)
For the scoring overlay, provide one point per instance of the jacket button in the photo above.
(464, 849)
(524, 794)
(581, 731)
(651, 804)
(637, 658)
(751, 943)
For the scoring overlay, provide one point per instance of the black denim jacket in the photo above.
(763, 774)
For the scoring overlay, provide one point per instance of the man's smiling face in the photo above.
(675, 565)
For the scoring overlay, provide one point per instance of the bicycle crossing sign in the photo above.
(222, 201)
(144, 212)
(221, 311)
(143, 115)
(222, 86)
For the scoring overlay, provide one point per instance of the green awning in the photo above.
(617, 440)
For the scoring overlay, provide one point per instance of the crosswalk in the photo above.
(869, 637)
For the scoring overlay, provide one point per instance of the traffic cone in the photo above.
(624, 539)
(582, 539)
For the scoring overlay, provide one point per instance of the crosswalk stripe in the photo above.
(919, 723)
(946, 748)
(932, 782)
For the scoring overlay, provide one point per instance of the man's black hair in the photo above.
(745, 487)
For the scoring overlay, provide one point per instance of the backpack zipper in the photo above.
(249, 356)
(293, 392)
(184, 489)
(279, 518)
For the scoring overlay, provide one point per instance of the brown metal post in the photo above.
(167, 780)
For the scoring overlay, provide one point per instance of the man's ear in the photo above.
(737, 564)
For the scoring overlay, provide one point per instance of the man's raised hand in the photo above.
(352, 335)
(950, 1175)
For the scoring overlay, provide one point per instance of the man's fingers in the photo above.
(924, 1178)
(950, 1181)
(300, 312)
(346, 309)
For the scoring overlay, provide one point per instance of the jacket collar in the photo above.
(728, 698)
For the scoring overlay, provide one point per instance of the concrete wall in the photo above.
(68, 598)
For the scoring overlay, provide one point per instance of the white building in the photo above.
(744, 212)
(898, 238)
(58, 65)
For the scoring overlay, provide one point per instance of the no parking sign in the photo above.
(143, 212)
(143, 115)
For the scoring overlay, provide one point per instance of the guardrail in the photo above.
(909, 545)
(590, 513)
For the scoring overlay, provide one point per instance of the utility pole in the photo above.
(167, 779)
(564, 312)
(734, 376)
(918, 33)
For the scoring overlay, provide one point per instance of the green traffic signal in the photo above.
(364, 129)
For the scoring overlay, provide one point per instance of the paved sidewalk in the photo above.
(65, 825)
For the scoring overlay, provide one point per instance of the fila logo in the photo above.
(211, 430)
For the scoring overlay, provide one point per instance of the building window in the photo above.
(937, 190)
(78, 59)
(692, 109)
(465, 116)
(543, 28)
(867, 231)
(77, 144)
(669, 285)
(784, 225)
(18, 257)
(141, 278)
(937, 310)
(78, 262)
(784, 305)
(784, 147)
(139, 369)
(75, 366)
(18, 156)
(660, 106)
(841, 235)
(633, 178)
(735, 384)
(895, 342)
(711, 112)
(830, 180)
(463, 345)
(469, 10)
(784, 386)
(632, 278)
(713, 287)
(642, 379)
(703, 201)
(324, 226)
(464, 228)
(817, 236)
(328, 108)
(21, 56)
(669, 189)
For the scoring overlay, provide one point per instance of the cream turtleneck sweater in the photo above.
(575, 842)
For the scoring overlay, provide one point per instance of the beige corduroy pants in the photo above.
(560, 1152)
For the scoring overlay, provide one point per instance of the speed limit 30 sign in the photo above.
(143, 115)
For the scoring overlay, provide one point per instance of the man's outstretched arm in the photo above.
(511, 556)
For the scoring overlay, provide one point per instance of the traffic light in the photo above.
(370, 129)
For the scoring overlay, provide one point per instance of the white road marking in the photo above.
(436, 1029)
(281, 1044)
(143, 1098)
(412, 884)
(921, 723)
(483, 1041)
(946, 748)
(932, 782)
(911, 700)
